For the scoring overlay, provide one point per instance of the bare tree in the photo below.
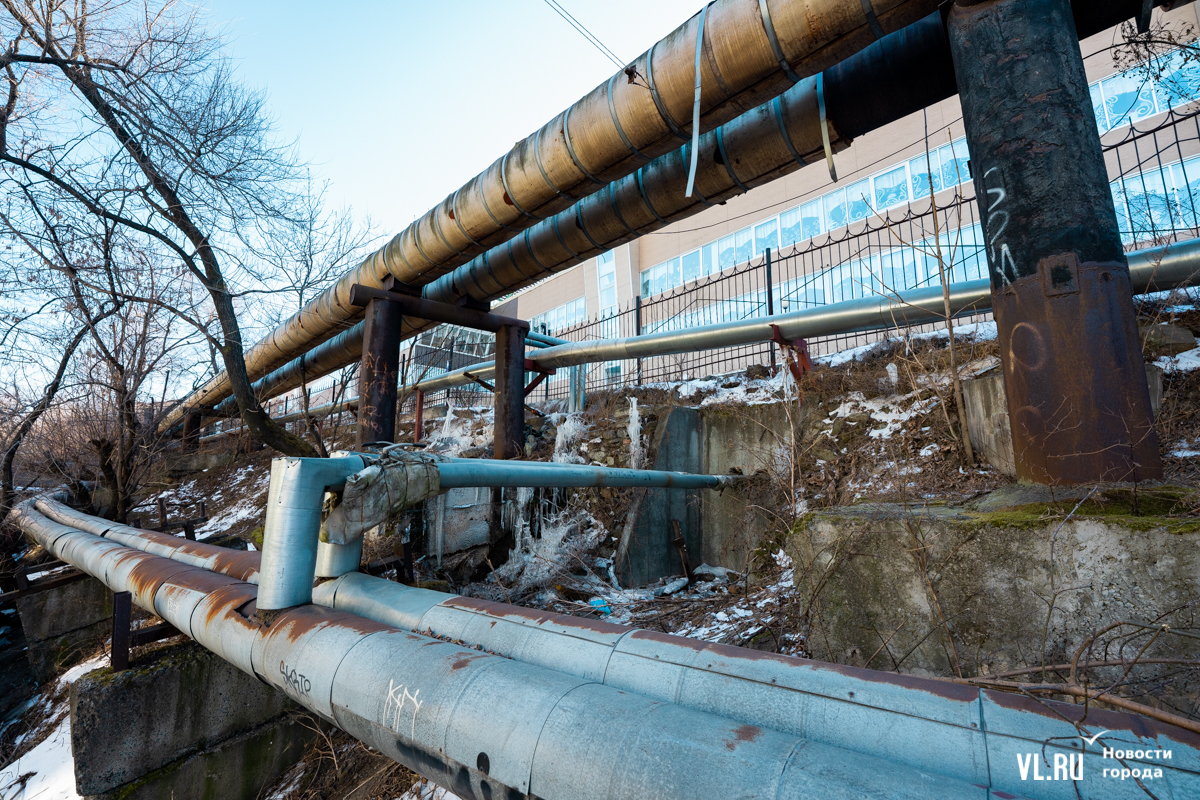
(129, 112)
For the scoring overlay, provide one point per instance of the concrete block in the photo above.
(651, 554)
(62, 625)
(1166, 339)
(185, 700)
(987, 415)
(458, 519)
(235, 769)
(188, 463)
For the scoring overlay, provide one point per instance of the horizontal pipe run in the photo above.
(433, 311)
(346, 668)
(900, 74)
(755, 49)
(485, 472)
(479, 724)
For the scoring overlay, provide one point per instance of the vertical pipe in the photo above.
(770, 306)
(510, 392)
(637, 330)
(419, 417)
(379, 372)
(1073, 369)
(191, 432)
(122, 603)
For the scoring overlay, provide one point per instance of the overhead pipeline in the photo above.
(752, 51)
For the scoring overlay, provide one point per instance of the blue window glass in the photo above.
(920, 175)
(1149, 205)
(1098, 107)
(727, 253)
(743, 245)
(1186, 177)
(709, 258)
(691, 266)
(1128, 97)
(790, 229)
(835, 209)
(810, 220)
(858, 199)
(647, 274)
(674, 276)
(766, 235)
(891, 188)
(1180, 80)
(955, 169)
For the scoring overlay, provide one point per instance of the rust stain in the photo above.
(294, 624)
(463, 660)
(506, 611)
(1115, 721)
(743, 733)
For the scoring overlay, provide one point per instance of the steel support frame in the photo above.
(1073, 367)
(509, 430)
(379, 373)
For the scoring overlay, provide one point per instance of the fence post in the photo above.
(770, 305)
(637, 330)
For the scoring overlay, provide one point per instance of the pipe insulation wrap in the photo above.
(753, 51)
(477, 723)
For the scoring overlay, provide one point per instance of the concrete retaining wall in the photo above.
(62, 625)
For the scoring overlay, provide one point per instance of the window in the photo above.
(560, 318)
(891, 188)
(743, 246)
(692, 268)
(790, 228)
(709, 257)
(606, 276)
(858, 199)
(835, 209)
(726, 254)
(766, 236)
(955, 164)
(810, 220)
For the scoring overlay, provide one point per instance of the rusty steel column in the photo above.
(191, 431)
(379, 373)
(419, 417)
(509, 433)
(1073, 369)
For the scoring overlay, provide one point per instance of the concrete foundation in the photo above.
(64, 624)
(987, 416)
(186, 725)
(1000, 583)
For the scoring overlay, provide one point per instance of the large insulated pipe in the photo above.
(903, 73)
(862, 711)
(752, 50)
(479, 724)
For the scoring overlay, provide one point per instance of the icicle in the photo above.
(635, 435)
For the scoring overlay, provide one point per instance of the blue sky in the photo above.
(398, 104)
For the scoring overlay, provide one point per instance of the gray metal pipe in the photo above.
(486, 472)
(479, 724)
(292, 529)
(755, 49)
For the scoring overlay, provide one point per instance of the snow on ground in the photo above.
(1184, 362)
(427, 791)
(47, 772)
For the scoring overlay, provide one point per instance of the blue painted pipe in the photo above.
(486, 472)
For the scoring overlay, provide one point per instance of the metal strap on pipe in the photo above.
(696, 104)
(491, 216)
(508, 192)
(512, 260)
(454, 216)
(583, 228)
(683, 155)
(642, 189)
(769, 27)
(612, 110)
(777, 107)
(612, 199)
(872, 21)
(825, 126)
(436, 219)
(537, 159)
(571, 149)
(658, 103)
(725, 161)
(416, 235)
(559, 236)
(533, 253)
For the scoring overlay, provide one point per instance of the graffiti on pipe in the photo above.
(997, 220)
(296, 683)
(397, 698)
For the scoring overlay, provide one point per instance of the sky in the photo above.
(397, 104)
